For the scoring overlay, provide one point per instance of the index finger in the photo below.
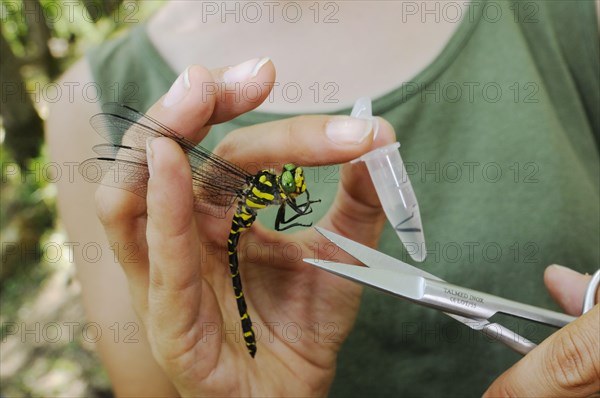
(193, 102)
(309, 140)
(187, 109)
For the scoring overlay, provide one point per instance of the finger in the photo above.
(241, 88)
(193, 101)
(565, 364)
(567, 287)
(123, 215)
(187, 108)
(303, 140)
(174, 254)
(183, 109)
(200, 97)
(356, 211)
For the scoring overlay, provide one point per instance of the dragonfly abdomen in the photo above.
(241, 221)
(263, 192)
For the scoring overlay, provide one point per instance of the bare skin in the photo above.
(368, 61)
(568, 362)
(131, 366)
(276, 289)
(180, 356)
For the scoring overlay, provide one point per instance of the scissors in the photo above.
(467, 306)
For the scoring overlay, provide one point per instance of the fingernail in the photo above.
(348, 130)
(178, 90)
(149, 156)
(362, 109)
(562, 269)
(375, 127)
(245, 70)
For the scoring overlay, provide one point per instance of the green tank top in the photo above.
(500, 138)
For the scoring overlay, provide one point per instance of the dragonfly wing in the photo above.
(118, 112)
(213, 205)
(120, 152)
(122, 131)
(133, 176)
(128, 175)
(126, 168)
(214, 191)
(122, 125)
(122, 163)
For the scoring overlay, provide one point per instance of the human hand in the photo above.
(566, 363)
(181, 285)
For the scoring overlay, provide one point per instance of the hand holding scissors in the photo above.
(465, 305)
(468, 306)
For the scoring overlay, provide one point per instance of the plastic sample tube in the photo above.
(394, 190)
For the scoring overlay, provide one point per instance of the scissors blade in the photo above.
(441, 295)
(378, 260)
(410, 287)
(373, 258)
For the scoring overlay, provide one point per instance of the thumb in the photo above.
(565, 364)
(356, 211)
(567, 287)
(568, 362)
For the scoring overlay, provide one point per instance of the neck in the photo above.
(325, 55)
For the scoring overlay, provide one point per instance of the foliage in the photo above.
(40, 40)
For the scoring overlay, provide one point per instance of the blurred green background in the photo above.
(42, 351)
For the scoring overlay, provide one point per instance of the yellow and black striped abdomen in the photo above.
(241, 221)
(260, 194)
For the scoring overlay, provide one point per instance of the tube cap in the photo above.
(394, 190)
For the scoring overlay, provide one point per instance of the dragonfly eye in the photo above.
(292, 179)
(287, 182)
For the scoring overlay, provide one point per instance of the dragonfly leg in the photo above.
(280, 219)
(304, 208)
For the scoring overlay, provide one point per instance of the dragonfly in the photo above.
(217, 184)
